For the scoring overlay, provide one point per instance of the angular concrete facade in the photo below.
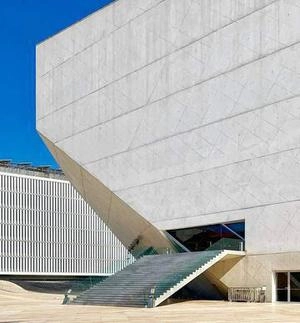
(168, 114)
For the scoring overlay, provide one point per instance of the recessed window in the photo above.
(288, 286)
(229, 236)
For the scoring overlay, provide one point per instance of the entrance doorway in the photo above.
(288, 286)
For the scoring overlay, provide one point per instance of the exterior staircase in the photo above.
(152, 279)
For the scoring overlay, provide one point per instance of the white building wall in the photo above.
(46, 227)
(192, 110)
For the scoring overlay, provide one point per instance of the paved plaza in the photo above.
(17, 305)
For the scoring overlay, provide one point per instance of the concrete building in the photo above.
(180, 120)
(46, 228)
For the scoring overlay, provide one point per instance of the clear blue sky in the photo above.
(23, 24)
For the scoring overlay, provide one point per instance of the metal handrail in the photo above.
(247, 294)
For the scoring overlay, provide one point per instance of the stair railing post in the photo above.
(242, 246)
(151, 297)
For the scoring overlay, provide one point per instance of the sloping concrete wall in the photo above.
(188, 111)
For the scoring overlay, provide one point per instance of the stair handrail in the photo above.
(166, 282)
(228, 244)
(149, 297)
(148, 251)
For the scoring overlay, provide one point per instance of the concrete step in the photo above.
(131, 286)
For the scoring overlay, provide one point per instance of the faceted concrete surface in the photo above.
(188, 111)
(253, 271)
(22, 306)
(125, 222)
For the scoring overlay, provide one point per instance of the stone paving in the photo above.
(17, 305)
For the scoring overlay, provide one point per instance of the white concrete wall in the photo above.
(186, 110)
(254, 271)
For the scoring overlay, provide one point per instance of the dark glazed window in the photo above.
(282, 287)
(295, 286)
(212, 237)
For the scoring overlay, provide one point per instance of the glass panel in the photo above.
(282, 280)
(211, 237)
(295, 295)
(198, 238)
(282, 295)
(282, 287)
(295, 280)
(295, 286)
(238, 227)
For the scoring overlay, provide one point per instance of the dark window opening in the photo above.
(295, 287)
(229, 236)
(288, 286)
(282, 287)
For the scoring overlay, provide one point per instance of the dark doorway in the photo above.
(282, 287)
(288, 286)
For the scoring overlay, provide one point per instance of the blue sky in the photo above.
(23, 24)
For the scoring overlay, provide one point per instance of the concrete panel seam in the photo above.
(178, 91)
(229, 210)
(170, 95)
(99, 40)
(184, 132)
(208, 169)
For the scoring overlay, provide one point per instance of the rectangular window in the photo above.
(295, 286)
(288, 286)
(282, 287)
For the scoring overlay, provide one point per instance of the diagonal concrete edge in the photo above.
(129, 226)
(222, 256)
